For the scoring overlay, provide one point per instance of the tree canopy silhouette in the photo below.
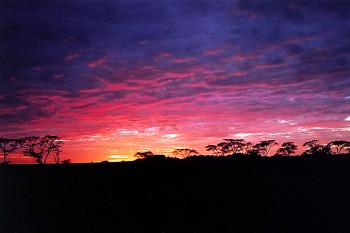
(317, 149)
(9, 145)
(213, 148)
(229, 147)
(185, 152)
(143, 155)
(41, 147)
(264, 147)
(235, 145)
(339, 145)
(224, 148)
(287, 149)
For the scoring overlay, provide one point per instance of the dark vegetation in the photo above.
(237, 189)
(263, 148)
(36, 147)
(202, 194)
(40, 148)
(241, 148)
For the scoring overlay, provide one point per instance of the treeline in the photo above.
(36, 147)
(263, 148)
(231, 147)
(40, 148)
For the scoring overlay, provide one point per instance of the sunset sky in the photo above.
(115, 77)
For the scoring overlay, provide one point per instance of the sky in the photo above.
(112, 78)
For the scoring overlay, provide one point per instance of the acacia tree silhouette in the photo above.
(317, 149)
(143, 155)
(224, 148)
(214, 149)
(264, 147)
(230, 146)
(51, 144)
(9, 145)
(30, 144)
(247, 148)
(339, 145)
(56, 150)
(185, 152)
(287, 149)
(41, 148)
(235, 145)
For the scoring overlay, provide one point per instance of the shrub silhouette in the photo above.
(66, 161)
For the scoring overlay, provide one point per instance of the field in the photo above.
(199, 195)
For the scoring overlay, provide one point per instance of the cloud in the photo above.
(171, 135)
(184, 72)
(96, 63)
(71, 57)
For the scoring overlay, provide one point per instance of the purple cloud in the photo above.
(134, 75)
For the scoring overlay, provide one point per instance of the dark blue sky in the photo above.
(124, 76)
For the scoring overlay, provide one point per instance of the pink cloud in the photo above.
(71, 57)
(181, 60)
(269, 66)
(58, 76)
(290, 41)
(213, 52)
(161, 55)
(193, 105)
(171, 74)
(96, 63)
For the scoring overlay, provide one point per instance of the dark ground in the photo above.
(209, 196)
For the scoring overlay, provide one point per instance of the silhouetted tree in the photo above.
(185, 152)
(143, 155)
(30, 148)
(57, 152)
(254, 152)
(316, 149)
(223, 148)
(9, 145)
(214, 149)
(41, 148)
(264, 147)
(52, 144)
(235, 145)
(287, 149)
(247, 148)
(311, 144)
(326, 150)
(339, 145)
(230, 146)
